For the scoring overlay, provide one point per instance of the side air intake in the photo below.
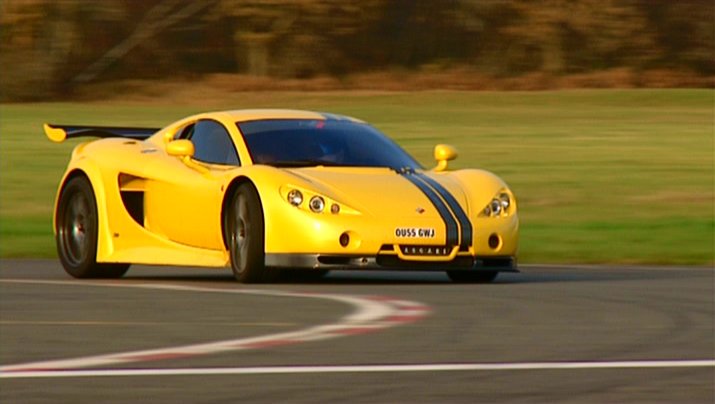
(131, 189)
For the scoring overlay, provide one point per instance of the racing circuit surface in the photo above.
(548, 334)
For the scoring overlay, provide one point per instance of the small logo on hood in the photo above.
(420, 210)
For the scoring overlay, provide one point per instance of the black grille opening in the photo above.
(333, 260)
(393, 261)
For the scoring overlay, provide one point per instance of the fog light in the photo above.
(494, 241)
(317, 204)
(344, 239)
(295, 197)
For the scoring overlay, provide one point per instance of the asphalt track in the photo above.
(548, 334)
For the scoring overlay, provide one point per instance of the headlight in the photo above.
(500, 205)
(335, 208)
(308, 200)
(495, 207)
(295, 197)
(505, 201)
(317, 204)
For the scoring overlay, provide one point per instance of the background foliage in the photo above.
(51, 48)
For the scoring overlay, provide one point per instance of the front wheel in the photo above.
(472, 276)
(245, 230)
(77, 230)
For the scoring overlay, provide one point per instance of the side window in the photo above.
(213, 144)
(185, 132)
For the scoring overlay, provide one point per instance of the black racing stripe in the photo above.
(452, 231)
(464, 223)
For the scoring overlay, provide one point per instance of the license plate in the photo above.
(414, 232)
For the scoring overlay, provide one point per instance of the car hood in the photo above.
(379, 192)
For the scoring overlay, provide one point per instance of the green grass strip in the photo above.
(601, 176)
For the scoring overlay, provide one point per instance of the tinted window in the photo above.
(305, 142)
(213, 144)
(185, 132)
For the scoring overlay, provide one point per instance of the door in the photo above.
(184, 205)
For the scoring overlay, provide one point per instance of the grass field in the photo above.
(602, 176)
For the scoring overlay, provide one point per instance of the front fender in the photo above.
(267, 181)
(480, 187)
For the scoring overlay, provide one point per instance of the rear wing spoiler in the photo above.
(58, 133)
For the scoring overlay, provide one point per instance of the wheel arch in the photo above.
(69, 176)
(227, 196)
(92, 173)
(79, 256)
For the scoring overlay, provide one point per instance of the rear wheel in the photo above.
(472, 276)
(77, 230)
(245, 231)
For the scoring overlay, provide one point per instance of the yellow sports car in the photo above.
(272, 191)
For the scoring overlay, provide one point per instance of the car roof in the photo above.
(243, 115)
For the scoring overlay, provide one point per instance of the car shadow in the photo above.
(540, 275)
(530, 274)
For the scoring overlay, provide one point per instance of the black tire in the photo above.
(245, 235)
(77, 230)
(476, 276)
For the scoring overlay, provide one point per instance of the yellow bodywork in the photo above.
(184, 199)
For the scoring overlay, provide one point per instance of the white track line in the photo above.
(371, 314)
(274, 370)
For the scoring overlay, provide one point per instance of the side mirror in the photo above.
(180, 148)
(444, 153)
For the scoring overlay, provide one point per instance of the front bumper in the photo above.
(389, 262)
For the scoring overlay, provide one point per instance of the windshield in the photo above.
(312, 142)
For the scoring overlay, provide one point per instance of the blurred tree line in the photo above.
(50, 47)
